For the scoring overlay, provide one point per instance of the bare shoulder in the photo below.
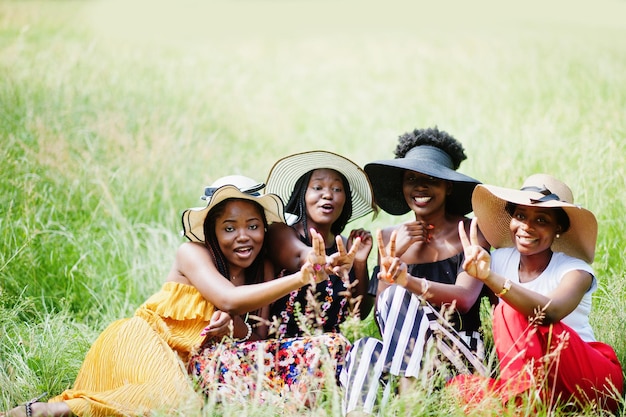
(387, 231)
(190, 247)
(285, 249)
(280, 232)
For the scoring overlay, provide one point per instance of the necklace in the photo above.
(319, 322)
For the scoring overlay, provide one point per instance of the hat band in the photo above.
(253, 191)
(431, 154)
(547, 194)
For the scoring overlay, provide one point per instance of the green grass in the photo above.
(114, 115)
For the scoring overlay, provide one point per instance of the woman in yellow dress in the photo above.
(138, 365)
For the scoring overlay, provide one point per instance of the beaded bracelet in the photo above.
(247, 334)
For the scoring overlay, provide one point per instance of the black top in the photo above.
(444, 271)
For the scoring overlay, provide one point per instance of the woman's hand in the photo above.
(340, 263)
(392, 269)
(365, 247)
(315, 268)
(477, 261)
(410, 233)
(220, 325)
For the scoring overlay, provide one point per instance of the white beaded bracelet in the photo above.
(247, 334)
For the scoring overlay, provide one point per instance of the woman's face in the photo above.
(324, 197)
(424, 194)
(240, 232)
(533, 229)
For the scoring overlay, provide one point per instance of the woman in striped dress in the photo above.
(419, 262)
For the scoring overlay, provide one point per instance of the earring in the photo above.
(558, 235)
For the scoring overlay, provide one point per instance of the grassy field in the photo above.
(114, 115)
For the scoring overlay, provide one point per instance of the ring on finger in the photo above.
(317, 267)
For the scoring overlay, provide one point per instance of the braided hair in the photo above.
(254, 273)
(433, 137)
(297, 205)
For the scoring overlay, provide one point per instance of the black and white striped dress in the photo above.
(409, 326)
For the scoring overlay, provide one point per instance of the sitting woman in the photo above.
(540, 270)
(252, 366)
(423, 258)
(138, 365)
(324, 191)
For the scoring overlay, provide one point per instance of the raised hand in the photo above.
(392, 269)
(477, 261)
(410, 233)
(340, 263)
(315, 268)
(365, 246)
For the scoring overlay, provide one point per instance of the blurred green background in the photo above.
(115, 114)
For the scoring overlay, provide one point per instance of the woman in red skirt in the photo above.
(541, 272)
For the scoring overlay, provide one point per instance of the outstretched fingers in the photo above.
(381, 244)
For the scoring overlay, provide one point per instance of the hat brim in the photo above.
(489, 204)
(285, 173)
(193, 218)
(387, 176)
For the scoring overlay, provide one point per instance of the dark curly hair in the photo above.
(433, 137)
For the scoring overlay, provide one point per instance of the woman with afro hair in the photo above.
(416, 277)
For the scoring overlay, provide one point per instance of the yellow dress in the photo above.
(139, 364)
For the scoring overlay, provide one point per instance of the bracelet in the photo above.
(505, 288)
(425, 287)
(247, 334)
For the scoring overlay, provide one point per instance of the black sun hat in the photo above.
(387, 175)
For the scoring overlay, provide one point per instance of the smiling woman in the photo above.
(541, 271)
(324, 191)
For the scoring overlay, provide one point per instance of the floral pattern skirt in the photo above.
(270, 371)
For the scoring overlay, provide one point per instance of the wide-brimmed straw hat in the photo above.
(387, 175)
(286, 172)
(539, 190)
(232, 186)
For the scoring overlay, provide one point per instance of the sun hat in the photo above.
(286, 171)
(539, 190)
(387, 176)
(232, 186)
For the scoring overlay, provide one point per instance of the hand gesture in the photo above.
(392, 269)
(365, 246)
(477, 261)
(220, 325)
(410, 233)
(340, 263)
(314, 269)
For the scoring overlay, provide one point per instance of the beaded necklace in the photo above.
(288, 311)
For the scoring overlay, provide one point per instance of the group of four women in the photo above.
(252, 305)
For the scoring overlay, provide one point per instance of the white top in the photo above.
(505, 262)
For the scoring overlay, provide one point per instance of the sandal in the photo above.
(29, 404)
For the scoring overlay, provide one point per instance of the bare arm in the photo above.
(464, 292)
(556, 305)
(285, 249)
(194, 264)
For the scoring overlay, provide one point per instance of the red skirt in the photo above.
(551, 360)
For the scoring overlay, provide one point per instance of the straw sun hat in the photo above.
(232, 186)
(286, 172)
(539, 190)
(387, 176)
